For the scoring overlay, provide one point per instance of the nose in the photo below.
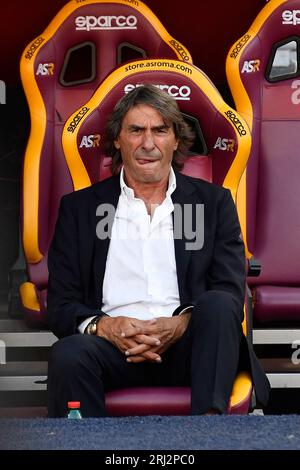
(148, 141)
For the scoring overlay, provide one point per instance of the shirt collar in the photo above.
(129, 193)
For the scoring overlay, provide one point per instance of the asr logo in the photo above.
(225, 144)
(250, 66)
(89, 141)
(45, 69)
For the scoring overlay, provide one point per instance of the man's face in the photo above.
(147, 145)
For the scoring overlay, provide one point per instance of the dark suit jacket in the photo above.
(77, 257)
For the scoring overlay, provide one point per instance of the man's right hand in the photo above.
(112, 328)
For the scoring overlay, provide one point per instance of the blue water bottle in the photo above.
(74, 410)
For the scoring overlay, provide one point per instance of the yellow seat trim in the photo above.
(28, 296)
(242, 388)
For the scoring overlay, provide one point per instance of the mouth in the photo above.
(146, 161)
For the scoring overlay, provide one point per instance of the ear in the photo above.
(117, 145)
(176, 145)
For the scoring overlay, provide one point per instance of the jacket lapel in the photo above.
(182, 196)
(106, 199)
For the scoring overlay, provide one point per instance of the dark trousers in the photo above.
(82, 367)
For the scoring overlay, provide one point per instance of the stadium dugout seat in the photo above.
(220, 154)
(60, 70)
(263, 71)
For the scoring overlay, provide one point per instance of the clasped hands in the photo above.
(143, 340)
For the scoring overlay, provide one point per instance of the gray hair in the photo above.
(167, 107)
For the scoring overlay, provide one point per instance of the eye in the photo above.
(135, 131)
(162, 130)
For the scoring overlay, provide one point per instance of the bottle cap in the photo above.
(73, 404)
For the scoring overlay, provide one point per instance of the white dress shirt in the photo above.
(140, 275)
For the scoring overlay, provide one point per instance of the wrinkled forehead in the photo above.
(144, 116)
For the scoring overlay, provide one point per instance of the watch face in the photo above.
(93, 328)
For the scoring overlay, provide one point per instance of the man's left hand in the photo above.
(167, 329)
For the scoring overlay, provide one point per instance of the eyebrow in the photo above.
(136, 127)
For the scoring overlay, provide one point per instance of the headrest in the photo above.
(85, 41)
(222, 134)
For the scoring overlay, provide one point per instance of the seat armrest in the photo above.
(254, 267)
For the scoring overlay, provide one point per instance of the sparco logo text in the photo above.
(92, 23)
(180, 49)
(177, 92)
(33, 47)
(291, 17)
(236, 122)
(76, 120)
(239, 46)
